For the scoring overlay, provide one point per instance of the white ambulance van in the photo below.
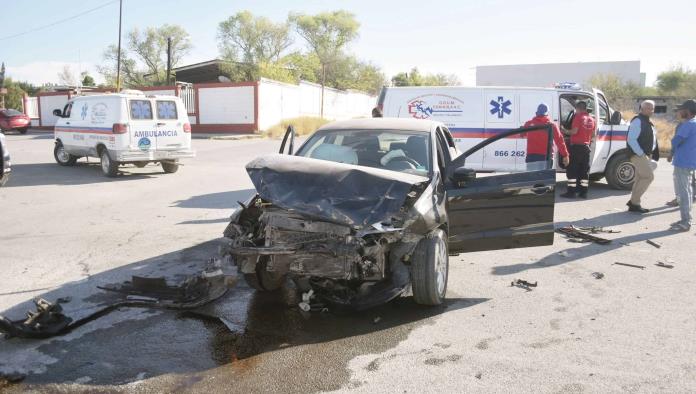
(473, 114)
(123, 128)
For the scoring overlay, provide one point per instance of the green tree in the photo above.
(246, 38)
(615, 88)
(677, 81)
(15, 94)
(327, 34)
(87, 79)
(144, 60)
(415, 78)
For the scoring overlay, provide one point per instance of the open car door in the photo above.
(500, 211)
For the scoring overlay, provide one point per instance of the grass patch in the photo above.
(304, 125)
(665, 131)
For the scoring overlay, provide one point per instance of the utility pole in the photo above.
(169, 59)
(118, 61)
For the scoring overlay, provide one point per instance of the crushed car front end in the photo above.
(343, 231)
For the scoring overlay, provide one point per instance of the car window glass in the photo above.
(67, 110)
(166, 109)
(394, 150)
(140, 109)
(603, 110)
(11, 112)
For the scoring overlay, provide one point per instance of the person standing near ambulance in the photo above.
(642, 143)
(684, 162)
(581, 132)
(537, 141)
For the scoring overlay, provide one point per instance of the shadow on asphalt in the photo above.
(131, 344)
(596, 191)
(82, 173)
(221, 200)
(589, 249)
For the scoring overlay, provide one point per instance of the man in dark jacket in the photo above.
(642, 144)
(537, 141)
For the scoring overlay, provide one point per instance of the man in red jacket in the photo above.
(581, 132)
(537, 141)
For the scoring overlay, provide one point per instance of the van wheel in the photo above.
(620, 171)
(62, 157)
(109, 167)
(262, 279)
(170, 167)
(430, 269)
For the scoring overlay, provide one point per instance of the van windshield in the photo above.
(395, 150)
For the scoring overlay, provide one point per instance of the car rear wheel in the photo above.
(62, 157)
(170, 167)
(109, 167)
(430, 269)
(262, 279)
(23, 130)
(620, 171)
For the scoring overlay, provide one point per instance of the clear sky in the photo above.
(446, 36)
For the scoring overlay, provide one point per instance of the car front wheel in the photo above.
(430, 269)
(108, 166)
(62, 157)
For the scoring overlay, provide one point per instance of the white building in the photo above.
(545, 75)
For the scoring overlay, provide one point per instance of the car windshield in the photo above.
(11, 112)
(395, 150)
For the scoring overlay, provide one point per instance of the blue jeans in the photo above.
(682, 187)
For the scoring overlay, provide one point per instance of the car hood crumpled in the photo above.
(342, 193)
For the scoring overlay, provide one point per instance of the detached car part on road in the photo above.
(368, 209)
(5, 165)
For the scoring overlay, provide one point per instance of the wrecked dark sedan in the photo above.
(369, 209)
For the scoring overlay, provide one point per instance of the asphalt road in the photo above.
(67, 230)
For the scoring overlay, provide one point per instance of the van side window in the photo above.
(66, 110)
(166, 110)
(140, 109)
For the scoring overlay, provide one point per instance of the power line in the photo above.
(58, 22)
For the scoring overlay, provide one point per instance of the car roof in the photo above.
(382, 124)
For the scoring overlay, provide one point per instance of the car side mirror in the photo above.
(289, 138)
(462, 175)
(58, 113)
(615, 118)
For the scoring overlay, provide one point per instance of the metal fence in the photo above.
(188, 95)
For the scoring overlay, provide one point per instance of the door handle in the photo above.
(541, 189)
(161, 124)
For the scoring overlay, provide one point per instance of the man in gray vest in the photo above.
(642, 144)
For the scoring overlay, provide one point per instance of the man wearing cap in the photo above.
(537, 140)
(684, 161)
(642, 144)
(581, 132)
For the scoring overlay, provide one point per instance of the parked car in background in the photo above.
(123, 128)
(4, 160)
(11, 119)
(369, 208)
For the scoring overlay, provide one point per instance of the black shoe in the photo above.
(568, 195)
(636, 208)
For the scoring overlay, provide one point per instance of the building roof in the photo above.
(202, 72)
